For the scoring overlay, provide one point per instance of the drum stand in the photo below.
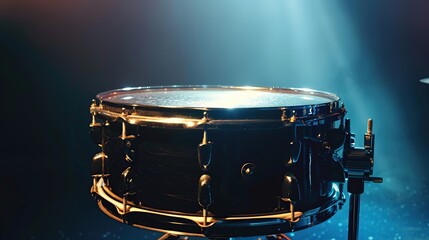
(358, 164)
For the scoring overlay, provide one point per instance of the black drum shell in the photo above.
(166, 161)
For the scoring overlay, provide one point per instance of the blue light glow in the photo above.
(57, 55)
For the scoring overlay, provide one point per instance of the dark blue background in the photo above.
(55, 56)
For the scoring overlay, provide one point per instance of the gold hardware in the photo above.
(284, 117)
(369, 128)
(124, 203)
(293, 118)
(205, 118)
(105, 193)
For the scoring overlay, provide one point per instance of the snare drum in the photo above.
(218, 161)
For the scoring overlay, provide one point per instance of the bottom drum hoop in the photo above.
(191, 225)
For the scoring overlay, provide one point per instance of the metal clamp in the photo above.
(359, 162)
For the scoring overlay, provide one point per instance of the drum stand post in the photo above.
(354, 216)
(355, 187)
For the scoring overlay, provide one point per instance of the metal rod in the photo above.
(292, 211)
(354, 216)
(281, 236)
(205, 217)
(169, 236)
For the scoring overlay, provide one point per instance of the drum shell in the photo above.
(166, 161)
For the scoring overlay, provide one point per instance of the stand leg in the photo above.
(169, 236)
(277, 237)
(354, 216)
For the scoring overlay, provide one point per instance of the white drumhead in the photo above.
(217, 97)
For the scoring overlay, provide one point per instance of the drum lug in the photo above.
(99, 165)
(96, 133)
(124, 135)
(295, 152)
(127, 141)
(130, 186)
(96, 128)
(205, 198)
(295, 146)
(130, 181)
(128, 150)
(205, 152)
(93, 107)
(288, 120)
(100, 161)
(290, 188)
(205, 148)
(290, 192)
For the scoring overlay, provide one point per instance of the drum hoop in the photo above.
(194, 117)
(302, 220)
(103, 191)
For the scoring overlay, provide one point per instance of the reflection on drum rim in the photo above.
(216, 97)
(308, 107)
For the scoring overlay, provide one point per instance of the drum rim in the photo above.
(103, 96)
(195, 117)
